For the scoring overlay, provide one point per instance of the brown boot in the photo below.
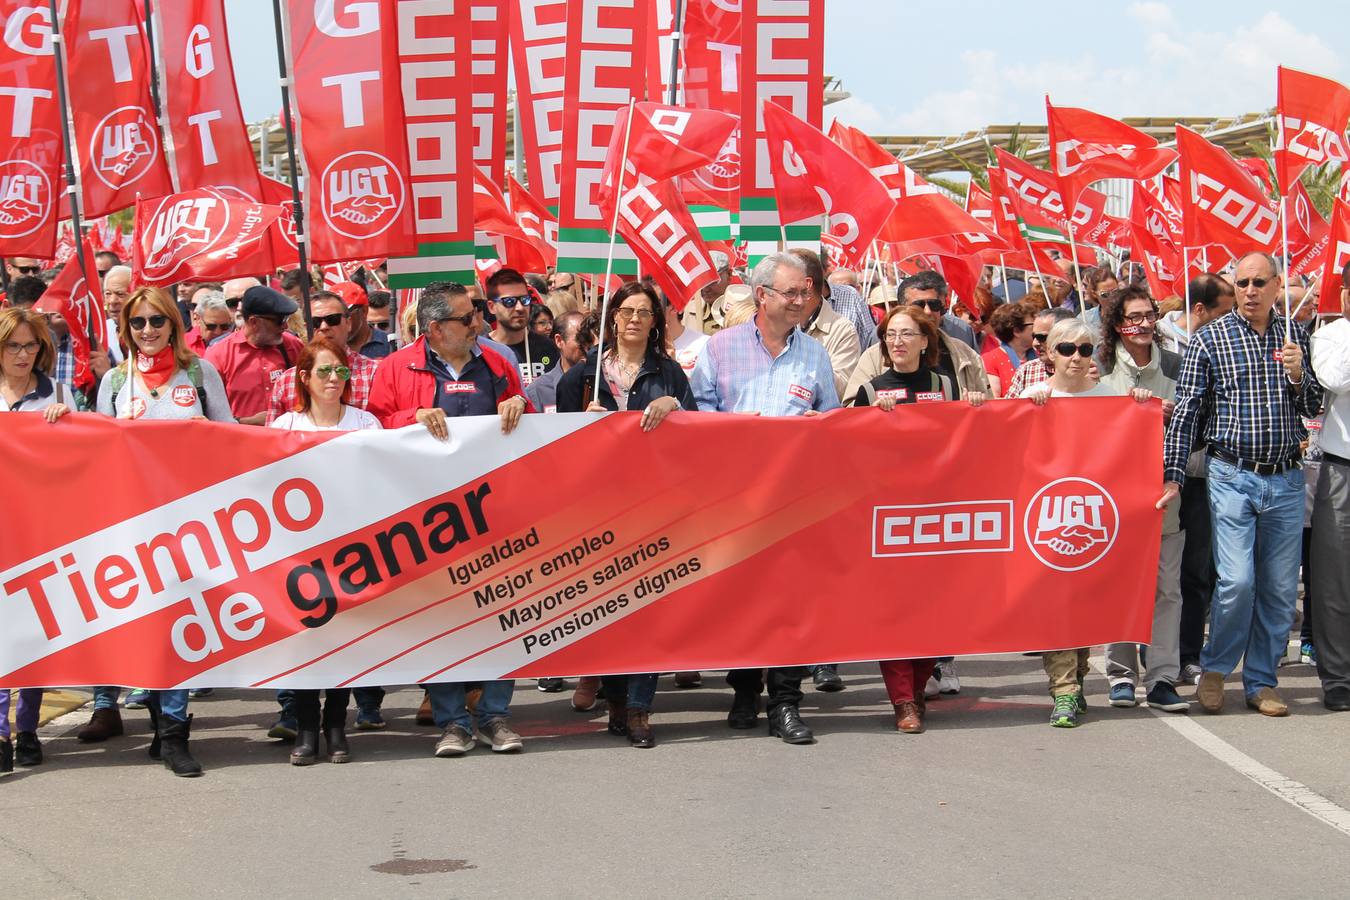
(688, 679)
(618, 718)
(640, 729)
(103, 724)
(424, 714)
(909, 717)
(583, 698)
(1210, 692)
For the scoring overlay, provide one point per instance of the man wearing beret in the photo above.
(252, 358)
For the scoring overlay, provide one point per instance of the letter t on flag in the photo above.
(813, 175)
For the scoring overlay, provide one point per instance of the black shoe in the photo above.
(6, 757)
(335, 736)
(786, 722)
(27, 749)
(174, 744)
(827, 679)
(550, 685)
(1337, 699)
(306, 749)
(744, 711)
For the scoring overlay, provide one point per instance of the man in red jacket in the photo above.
(444, 374)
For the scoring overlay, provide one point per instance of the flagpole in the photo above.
(1077, 274)
(1307, 295)
(1003, 278)
(677, 38)
(297, 210)
(609, 257)
(1186, 279)
(1284, 240)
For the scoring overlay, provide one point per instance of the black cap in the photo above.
(263, 301)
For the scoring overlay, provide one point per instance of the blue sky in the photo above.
(947, 66)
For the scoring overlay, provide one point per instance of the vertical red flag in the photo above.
(30, 133)
(1310, 117)
(108, 83)
(1308, 233)
(1224, 205)
(1156, 238)
(209, 144)
(346, 78)
(813, 174)
(1086, 146)
(711, 80)
(489, 31)
(538, 48)
(75, 295)
(1337, 255)
(539, 225)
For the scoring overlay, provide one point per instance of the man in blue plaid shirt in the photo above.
(1245, 390)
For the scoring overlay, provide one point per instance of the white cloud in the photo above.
(1151, 14)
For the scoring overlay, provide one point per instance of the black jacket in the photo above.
(658, 377)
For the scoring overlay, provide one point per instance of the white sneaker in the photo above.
(931, 689)
(950, 683)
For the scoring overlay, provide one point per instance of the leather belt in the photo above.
(1259, 468)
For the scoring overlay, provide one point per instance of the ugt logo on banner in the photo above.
(25, 198)
(197, 222)
(1071, 523)
(124, 147)
(364, 194)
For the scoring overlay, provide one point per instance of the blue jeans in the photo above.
(639, 689)
(1257, 541)
(447, 703)
(106, 697)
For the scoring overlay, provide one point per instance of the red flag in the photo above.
(488, 30)
(30, 140)
(1086, 147)
(1311, 114)
(712, 46)
(75, 295)
(538, 48)
(812, 174)
(539, 225)
(492, 216)
(347, 91)
(210, 146)
(199, 234)
(666, 141)
(1035, 199)
(283, 245)
(108, 84)
(1224, 204)
(1308, 233)
(656, 224)
(1155, 232)
(1337, 255)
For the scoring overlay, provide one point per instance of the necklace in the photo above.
(620, 374)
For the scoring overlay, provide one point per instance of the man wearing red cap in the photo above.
(367, 341)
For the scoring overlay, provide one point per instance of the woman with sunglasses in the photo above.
(1069, 348)
(161, 379)
(636, 373)
(322, 389)
(27, 361)
(909, 346)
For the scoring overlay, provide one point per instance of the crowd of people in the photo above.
(1256, 458)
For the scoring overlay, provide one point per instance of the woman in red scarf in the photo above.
(160, 379)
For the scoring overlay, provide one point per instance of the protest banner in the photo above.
(284, 559)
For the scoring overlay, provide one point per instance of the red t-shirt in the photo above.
(249, 372)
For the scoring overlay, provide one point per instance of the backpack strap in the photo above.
(941, 383)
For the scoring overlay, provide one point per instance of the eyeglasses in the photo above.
(466, 321)
(332, 320)
(933, 306)
(790, 296)
(28, 270)
(1023, 326)
(327, 372)
(139, 322)
(510, 302)
(18, 349)
(624, 313)
(1141, 318)
(232, 302)
(1039, 337)
(1084, 350)
(480, 306)
(905, 335)
(1257, 283)
(102, 273)
(223, 326)
(382, 326)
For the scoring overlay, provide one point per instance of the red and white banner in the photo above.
(1036, 200)
(1086, 146)
(539, 225)
(117, 141)
(1155, 232)
(200, 235)
(346, 76)
(711, 80)
(1224, 204)
(263, 565)
(489, 32)
(210, 145)
(76, 296)
(1308, 233)
(1310, 118)
(31, 162)
(538, 48)
(1336, 257)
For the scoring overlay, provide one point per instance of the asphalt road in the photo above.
(991, 801)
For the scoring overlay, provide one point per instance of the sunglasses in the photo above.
(466, 321)
(1084, 350)
(1022, 326)
(28, 270)
(139, 322)
(1257, 283)
(1039, 337)
(382, 326)
(223, 326)
(332, 320)
(510, 302)
(102, 273)
(934, 306)
(327, 372)
(232, 302)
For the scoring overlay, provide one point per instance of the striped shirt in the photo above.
(1234, 392)
(735, 373)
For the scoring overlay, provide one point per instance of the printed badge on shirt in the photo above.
(460, 387)
(801, 393)
(928, 397)
(896, 394)
(185, 395)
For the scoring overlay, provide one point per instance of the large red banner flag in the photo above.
(209, 144)
(1086, 146)
(711, 80)
(30, 133)
(1041, 211)
(489, 32)
(666, 141)
(1336, 257)
(117, 141)
(1310, 118)
(261, 565)
(1156, 241)
(346, 90)
(1224, 204)
(1308, 233)
(76, 296)
(539, 225)
(200, 234)
(812, 175)
(538, 32)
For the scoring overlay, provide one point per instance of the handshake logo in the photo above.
(1070, 524)
(362, 194)
(124, 147)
